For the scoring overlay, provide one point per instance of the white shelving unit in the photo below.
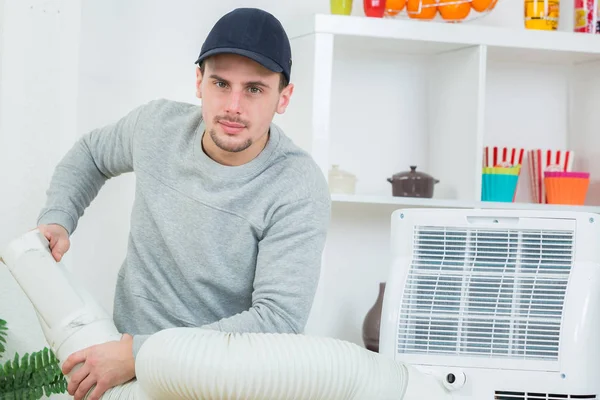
(408, 202)
(378, 95)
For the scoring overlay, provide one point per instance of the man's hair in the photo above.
(283, 82)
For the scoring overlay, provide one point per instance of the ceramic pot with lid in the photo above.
(412, 184)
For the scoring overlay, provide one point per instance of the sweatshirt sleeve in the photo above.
(96, 157)
(287, 271)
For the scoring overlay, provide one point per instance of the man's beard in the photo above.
(223, 143)
(226, 146)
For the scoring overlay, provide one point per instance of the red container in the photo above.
(586, 16)
(374, 8)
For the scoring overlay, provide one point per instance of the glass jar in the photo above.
(542, 14)
(340, 181)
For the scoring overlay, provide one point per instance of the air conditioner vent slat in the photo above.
(484, 292)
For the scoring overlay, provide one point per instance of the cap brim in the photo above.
(259, 58)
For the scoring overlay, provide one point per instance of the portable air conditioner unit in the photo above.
(498, 304)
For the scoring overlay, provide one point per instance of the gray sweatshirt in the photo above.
(236, 249)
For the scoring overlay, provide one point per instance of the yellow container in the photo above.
(542, 14)
(341, 7)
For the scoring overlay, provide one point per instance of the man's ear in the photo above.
(198, 83)
(284, 98)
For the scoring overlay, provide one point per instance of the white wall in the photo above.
(62, 74)
(39, 44)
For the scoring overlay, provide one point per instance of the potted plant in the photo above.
(31, 376)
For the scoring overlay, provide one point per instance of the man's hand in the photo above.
(105, 365)
(58, 237)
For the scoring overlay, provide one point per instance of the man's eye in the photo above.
(221, 84)
(254, 90)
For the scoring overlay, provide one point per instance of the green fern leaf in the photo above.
(32, 376)
(25, 364)
(3, 334)
(8, 368)
(19, 374)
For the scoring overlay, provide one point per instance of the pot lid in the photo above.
(412, 174)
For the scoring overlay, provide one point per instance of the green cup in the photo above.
(341, 7)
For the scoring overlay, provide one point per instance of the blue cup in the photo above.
(499, 187)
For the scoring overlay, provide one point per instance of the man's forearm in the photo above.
(138, 341)
(259, 318)
(256, 319)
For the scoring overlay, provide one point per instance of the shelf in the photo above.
(411, 202)
(440, 93)
(425, 37)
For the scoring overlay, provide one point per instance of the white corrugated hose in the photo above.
(195, 363)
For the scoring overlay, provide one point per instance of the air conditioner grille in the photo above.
(494, 293)
(539, 396)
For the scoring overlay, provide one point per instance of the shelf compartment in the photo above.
(446, 90)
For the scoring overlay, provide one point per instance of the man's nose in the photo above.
(234, 102)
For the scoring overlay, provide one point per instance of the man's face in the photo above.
(239, 100)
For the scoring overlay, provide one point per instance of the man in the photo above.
(230, 217)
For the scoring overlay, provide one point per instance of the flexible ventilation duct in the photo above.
(194, 363)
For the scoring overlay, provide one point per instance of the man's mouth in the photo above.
(231, 128)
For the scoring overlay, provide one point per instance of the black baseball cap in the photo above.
(252, 33)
